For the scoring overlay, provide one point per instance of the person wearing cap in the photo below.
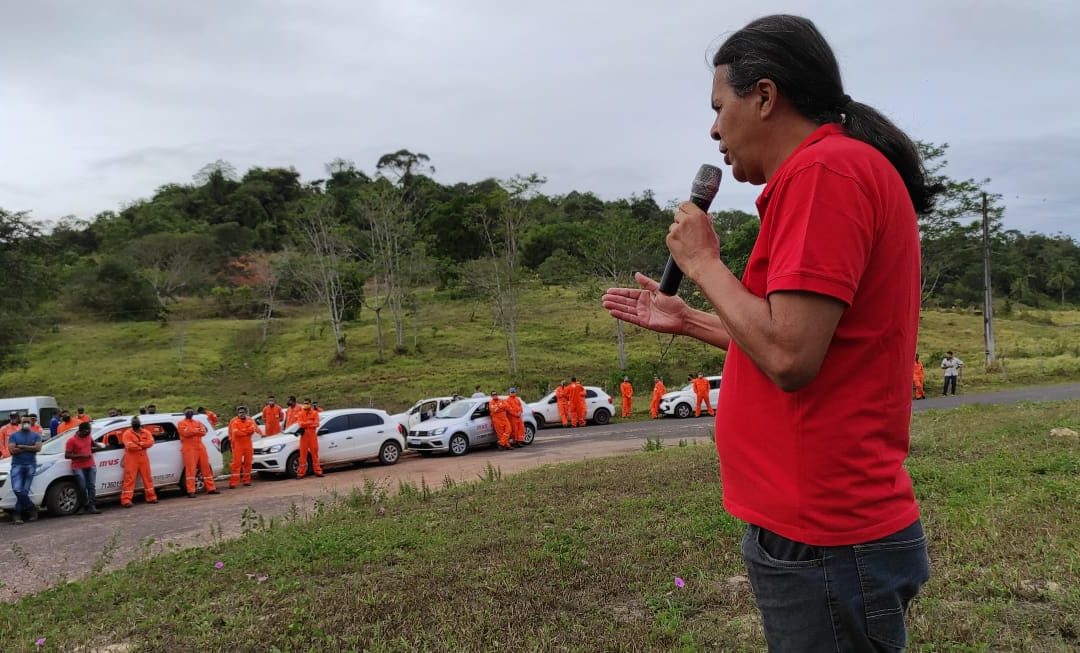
(241, 430)
(193, 449)
(626, 389)
(79, 449)
(308, 419)
(500, 421)
(6, 430)
(273, 417)
(514, 411)
(136, 463)
(210, 415)
(82, 416)
(658, 391)
(23, 445)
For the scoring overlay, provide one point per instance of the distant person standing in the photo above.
(562, 399)
(79, 449)
(515, 410)
(273, 417)
(292, 411)
(54, 424)
(194, 453)
(23, 445)
(626, 389)
(500, 420)
(701, 394)
(308, 419)
(136, 463)
(67, 422)
(210, 415)
(13, 425)
(578, 408)
(658, 391)
(478, 393)
(82, 416)
(241, 431)
(151, 409)
(952, 366)
(918, 379)
(34, 426)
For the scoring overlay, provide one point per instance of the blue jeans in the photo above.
(835, 598)
(86, 479)
(22, 476)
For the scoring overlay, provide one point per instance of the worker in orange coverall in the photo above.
(272, 416)
(701, 394)
(627, 390)
(562, 398)
(210, 415)
(137, 463)
(194, 453)
(241, 429)
(577, 402)
(308, 419)
(658, 391)
(292, 411)
(918, 378)
(515, 411)
(500, 420)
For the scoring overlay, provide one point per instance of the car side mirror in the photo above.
(321, 432)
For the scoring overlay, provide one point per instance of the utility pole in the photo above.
(988, 294)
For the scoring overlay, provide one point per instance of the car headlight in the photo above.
(43, 467)
(438, 431)
(275, 448)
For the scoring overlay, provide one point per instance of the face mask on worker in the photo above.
(26, 426)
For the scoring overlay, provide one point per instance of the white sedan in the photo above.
(598, 408)
(423, 410)
(54, 487)
(346, 435)
(460, 427)
(680, 403)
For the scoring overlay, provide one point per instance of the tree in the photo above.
(503, 220)
(262, 272)
(323, 263)
(1062, 275)
(172, 263)
(27, 280)
(401, 166)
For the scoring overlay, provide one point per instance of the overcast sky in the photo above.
(102, 102)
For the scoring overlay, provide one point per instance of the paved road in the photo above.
(53, 550)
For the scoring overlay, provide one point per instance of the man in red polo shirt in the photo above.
(813, 462)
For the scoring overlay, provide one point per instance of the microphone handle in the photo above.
(673, 276)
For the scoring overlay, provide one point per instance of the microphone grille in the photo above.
(707, 182)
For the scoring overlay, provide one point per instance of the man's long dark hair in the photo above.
(791, 52)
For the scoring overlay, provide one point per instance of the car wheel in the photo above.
(62, 498)
(601, 416)
(459, 444)
(683, 411)
(225, 445)
(292, 465)
(389, 453)
(539, 420)
(530, 433)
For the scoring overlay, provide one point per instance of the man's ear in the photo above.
(766, 95)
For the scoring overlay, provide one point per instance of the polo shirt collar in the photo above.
(828, 129)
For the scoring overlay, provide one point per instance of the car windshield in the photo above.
(56, 445)
(688, 387)
(455, 410)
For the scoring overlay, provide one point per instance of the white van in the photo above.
(44, 407)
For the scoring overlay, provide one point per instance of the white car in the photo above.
(459, 427)
(54, 487)
(680, 403)
(346, 435)
(599, 406)
(423, 410)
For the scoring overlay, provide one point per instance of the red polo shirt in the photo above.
(824, 465)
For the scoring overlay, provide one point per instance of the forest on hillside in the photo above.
(359, 240)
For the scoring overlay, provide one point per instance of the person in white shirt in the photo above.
(951, 364)
(478, 394)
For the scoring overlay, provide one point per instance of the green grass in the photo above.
(563, 332)
(582, 557)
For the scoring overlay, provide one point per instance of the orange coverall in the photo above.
(85, 417)
(212, 416)
(137, 463)
(66, 426)
(577, 404)
(627, 398)
(308, 419)
(658, 391)
(562, 398)
(194, 452)
(515, 411)
(241, 431)
(5, 433)
(292, 414)
(500, 422)
(918, 379)
(701, 392)
(272, 417)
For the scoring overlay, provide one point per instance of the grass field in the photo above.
(563, 332)
(583, 557)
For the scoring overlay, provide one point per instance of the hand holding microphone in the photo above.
(702, 192)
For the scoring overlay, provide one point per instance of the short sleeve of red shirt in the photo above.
(823, 237)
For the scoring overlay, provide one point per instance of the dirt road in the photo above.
(53, 550)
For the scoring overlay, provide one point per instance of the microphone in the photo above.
(702, 192)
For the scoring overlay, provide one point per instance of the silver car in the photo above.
(459, 427)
